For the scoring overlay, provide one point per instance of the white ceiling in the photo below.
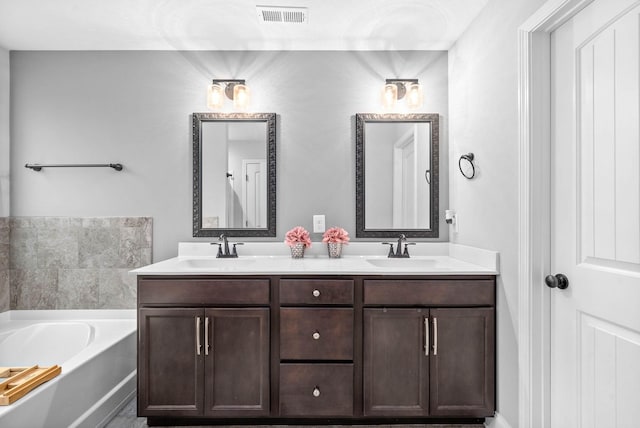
(232, 25)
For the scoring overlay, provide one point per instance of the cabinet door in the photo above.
(462, 362)
(170, 369)
(237, 362)
(396, 368)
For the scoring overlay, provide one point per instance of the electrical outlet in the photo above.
(318, 223)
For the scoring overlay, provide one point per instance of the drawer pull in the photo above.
(316, 392)
(435, 336)
(316, 335)
(316, 293)
(198, 345)
(206, 335)
(426, 336)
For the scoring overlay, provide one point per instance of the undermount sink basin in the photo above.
(216, 263)
(403, 263)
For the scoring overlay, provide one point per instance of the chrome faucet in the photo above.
(226, 253)
(399, 253)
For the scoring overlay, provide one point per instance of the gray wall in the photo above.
(4, 132)
(134, 107)
(4, 179)
(484, 120)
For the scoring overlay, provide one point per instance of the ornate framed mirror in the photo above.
(397, 158)
(234, 174)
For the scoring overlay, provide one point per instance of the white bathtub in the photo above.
(97, 352)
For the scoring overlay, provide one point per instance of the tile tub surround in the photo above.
(74, 262)
(4, 264)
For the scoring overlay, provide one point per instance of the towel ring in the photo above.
(466, 166)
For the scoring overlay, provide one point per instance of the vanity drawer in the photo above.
(203, 291)
(459, 292)
(316, 334)
(316, 292)
(316, 389)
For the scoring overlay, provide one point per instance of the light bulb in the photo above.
(241, 96)
(389, 96)
(215, 96)
(414, 96)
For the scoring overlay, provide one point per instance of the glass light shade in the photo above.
(215, 96)
(414, 96)
(389, 96)
(241, 96)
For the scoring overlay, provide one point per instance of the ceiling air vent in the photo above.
(284, 15)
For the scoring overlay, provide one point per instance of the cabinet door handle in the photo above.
(198, 346)
(316, 335)
(206, 335)
(316, 392)
(435, 336)
(316, 293)
(426, 336)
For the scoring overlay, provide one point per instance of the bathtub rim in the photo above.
(102, 411)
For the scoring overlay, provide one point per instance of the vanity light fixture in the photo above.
(397, 89)
(233, 89)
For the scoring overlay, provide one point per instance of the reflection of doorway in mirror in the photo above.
(230, 196)
(411, 193)
(404, 190)
(422, 140)
(254, 191)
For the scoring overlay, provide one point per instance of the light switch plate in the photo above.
(318, 223)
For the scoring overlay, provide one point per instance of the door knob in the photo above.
(557, 281)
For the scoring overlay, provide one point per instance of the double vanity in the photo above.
(264, 338)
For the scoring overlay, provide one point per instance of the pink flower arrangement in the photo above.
(297, 235)
(336, 234)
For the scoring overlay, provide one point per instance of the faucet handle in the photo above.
(234, 253)
(406, 250)
(390, 244)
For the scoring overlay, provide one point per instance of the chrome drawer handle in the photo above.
(316, 392)
(206, 336)
(316, 293)
(316, 335)
(435, 336)
(426, 336)
(198, 345)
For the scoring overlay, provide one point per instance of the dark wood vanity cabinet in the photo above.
(462, 364)
(206, 362)
(237, 363)
(170, 373)
(316, 347)
(396, 370)
(420, 362)
(313, 348)
(434, 360)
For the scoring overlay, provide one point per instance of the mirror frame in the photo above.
(270, 119)
(361, 120)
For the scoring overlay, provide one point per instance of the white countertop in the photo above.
(258, 258)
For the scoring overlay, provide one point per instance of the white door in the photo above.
(595, 153)
(255, 193)
(404, 194)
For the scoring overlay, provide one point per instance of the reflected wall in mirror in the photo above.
(234, 174)
(397, 175)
